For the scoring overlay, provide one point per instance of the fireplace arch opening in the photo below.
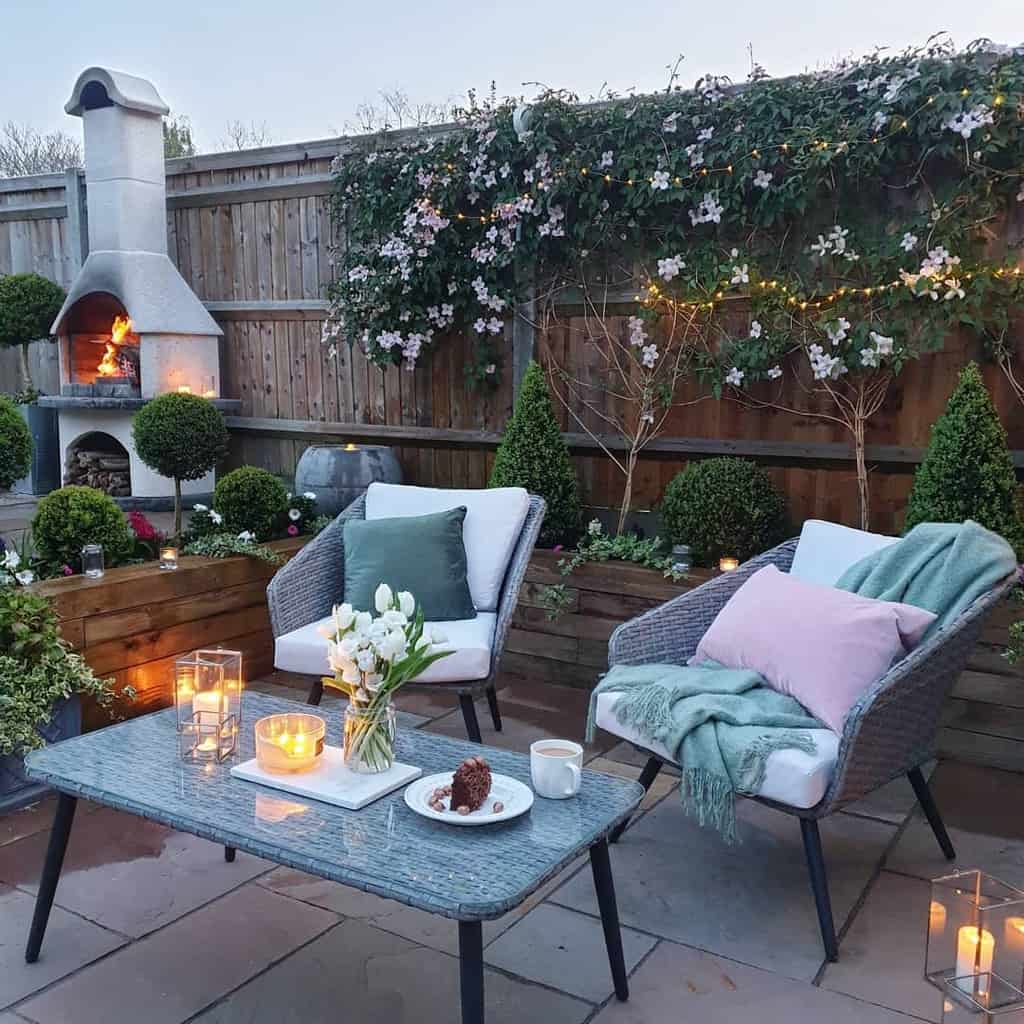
(96, 459)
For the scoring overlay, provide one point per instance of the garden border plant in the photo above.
(848, 213)
(29, 303)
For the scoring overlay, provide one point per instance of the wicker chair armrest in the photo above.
(892, 728)
(670, 633)
(308, 587)
(514, 575)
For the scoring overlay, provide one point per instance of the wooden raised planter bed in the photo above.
(983, 721)
(131, 624)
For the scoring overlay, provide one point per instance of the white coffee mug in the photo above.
(555, 767)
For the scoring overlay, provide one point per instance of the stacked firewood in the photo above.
(106, 471)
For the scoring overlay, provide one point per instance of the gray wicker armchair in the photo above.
(307, 588)
(889, 732)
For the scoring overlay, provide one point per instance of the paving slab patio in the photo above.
(715, 935)
(128, 874)
(750, 901)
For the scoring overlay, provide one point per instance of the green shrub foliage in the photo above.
(29, 303)
(724, 506)
(251, 499)
(967, 472)
(15, 444)
(180, 436)
(72, 517)
(533, 454)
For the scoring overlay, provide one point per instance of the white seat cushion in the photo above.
(494, 521)
(826, 550)
(304, 650)
(791, 777)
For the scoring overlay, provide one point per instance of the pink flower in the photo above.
(67, 570)
(141, 526)
(557, 548)
(293, 530)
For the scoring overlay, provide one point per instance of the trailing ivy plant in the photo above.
(844, 217)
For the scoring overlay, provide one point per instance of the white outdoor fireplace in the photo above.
(130, 328)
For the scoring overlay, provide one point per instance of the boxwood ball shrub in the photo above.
(967, 471)
(29, 303)
(250, 498)
(15, 444)
(74, 516)
(182, 437)
(724, 506)
(533, 454)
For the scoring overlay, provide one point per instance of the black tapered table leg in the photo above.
(471, 971)
(601, 865)
(229, 854)
(58, 844)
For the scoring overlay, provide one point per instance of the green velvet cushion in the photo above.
(422, 554)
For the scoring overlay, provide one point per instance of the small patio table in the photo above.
(469, 874)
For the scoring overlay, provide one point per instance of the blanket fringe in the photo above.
(711, 800)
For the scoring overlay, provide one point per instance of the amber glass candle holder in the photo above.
(208, 701)
(289, 744)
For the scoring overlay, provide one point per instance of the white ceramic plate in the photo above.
(517, 798)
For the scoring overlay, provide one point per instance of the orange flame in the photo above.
(119, 330)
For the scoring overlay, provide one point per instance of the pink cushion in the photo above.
(823, 646)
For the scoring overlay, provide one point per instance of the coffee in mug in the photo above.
(555, 767)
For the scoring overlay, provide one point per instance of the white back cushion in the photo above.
(826, 550)
(494, 521)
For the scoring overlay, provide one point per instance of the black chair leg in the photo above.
(819, 884)
(647, 777)
(931, 812)
(316, 693)
(469, 716)
(229, 854)
(492, 701)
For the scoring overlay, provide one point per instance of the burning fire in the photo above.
(119, 330)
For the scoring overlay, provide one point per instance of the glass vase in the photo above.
(369, 734)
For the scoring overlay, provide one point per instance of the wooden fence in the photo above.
(252, 233)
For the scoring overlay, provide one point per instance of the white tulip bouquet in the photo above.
(371, 659)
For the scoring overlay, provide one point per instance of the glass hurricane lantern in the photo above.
(208, 702)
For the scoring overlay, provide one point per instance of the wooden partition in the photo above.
(131, 624)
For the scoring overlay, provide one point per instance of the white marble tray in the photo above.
(331, 782)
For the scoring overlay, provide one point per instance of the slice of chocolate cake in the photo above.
(471, 785)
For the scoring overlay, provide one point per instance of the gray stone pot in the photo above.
(338, 476)
(44, 474)
(15, 789)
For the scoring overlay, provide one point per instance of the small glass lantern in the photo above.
(168, 557)
(975, 927)
(682, 560)
(208, 699)
(728, 564)
(981, 999)
(92, 561)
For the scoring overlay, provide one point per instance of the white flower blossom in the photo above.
(217, 518)
(837, 330)
(200, 508)
(879, 121)
(823, 365)
(669, 124)
(594, 528)
(883, 344)
(740, 275)
(908, 241)
(755, 328)
(967, 122)
(25, 577)
(649, 356)
(955, 291)
(11, 560)
(735, 377)
(637, 334)
(704, 135)
(763, 179)
(775, 372)
(247, 535)
(670, 267)
(709, 210)
(607, 158)
(383, 598)
(659, 181)
(309, 495)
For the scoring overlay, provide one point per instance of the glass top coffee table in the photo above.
(468, 874)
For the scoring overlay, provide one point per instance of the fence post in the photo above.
(78, 222)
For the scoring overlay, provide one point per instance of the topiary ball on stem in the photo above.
(967, 472)
(724, 507)
(250, 498)
(182, 437)
(29, 303)
(68, 519)
(15, 444)
(533, 454)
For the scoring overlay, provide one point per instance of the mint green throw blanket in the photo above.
(722, 724)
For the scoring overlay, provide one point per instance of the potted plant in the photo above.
(29, 304)
(41, 680)
(182, 437)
